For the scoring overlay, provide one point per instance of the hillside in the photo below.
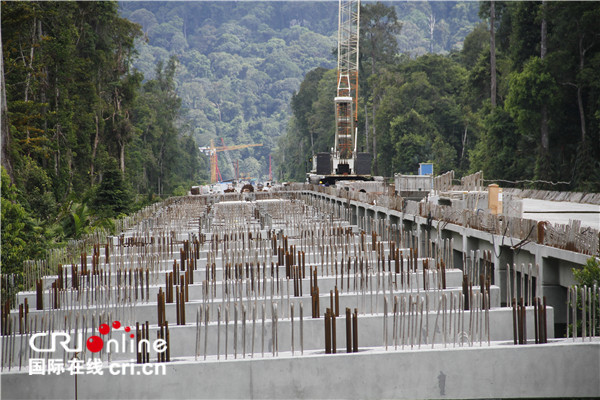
(534, 122)
(240, 63)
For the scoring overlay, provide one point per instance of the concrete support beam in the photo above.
(553, 370)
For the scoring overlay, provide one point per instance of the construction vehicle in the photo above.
(212, 151)
(344, 162)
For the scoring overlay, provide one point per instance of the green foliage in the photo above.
(529, 90)
(379, 28)
(37, 189)
(436, 108)
(86, 133)
(240, 64)
(22, 237)
(435, 27)
(179, 191)
(589, 274)
(13, 225)
(111, 197)
(163, 155)
(499, 151)
(311, 128)
(421, 116)
(76, 220)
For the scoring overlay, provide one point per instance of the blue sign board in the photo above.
(425, 169)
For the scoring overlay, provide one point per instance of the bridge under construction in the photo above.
(309, 292)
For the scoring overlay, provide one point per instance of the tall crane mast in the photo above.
(346, 100)
(344, 162)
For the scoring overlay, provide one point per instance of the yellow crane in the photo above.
(213, 150)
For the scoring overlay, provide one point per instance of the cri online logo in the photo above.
(95, 343)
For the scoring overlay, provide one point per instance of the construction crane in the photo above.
(212, 151)
(344, 162)
(229, 159)
(347, 84)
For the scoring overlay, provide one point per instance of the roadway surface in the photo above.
(561, 212)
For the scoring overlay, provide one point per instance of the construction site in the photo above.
(346, 286)
(277, 294)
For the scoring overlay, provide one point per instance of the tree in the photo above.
(588, 276)
(530, 91)
(574, 41)
(378, 46)
(493, 53)
(379, 28)
(22, 237)
(112, 197)
(501, 152)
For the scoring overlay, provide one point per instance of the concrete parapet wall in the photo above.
(575, 197)
(553, 370)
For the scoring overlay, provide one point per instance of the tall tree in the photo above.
(576, 35)
(544, 132)
(493, 53)
(4, 129)
(378, 47)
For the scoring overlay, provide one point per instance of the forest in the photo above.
(85, 138)
(532, 120)
(241, 62)
(104, 104)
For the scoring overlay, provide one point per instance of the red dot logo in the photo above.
(131, 336)
(127, 329)
(116, 325)
(104, 329)
(94, 344)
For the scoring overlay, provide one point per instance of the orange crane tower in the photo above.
(212, 151)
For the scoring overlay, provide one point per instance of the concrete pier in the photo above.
(428, 303)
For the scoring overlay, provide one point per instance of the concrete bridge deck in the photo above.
(424, 346)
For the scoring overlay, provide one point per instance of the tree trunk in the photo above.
(582, 52)
(374, 141)
(492, 54)
(543, 51)
(431, 30)
(28, 78)
(30, 66)
(94, 149)
(5, 133)
(366, 129)
(122, 155)
(57, 130)
(544, 33)
(581, 113)
(464, 143)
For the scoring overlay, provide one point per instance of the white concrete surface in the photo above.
(558, 369)
(561, 212)
(554, 370)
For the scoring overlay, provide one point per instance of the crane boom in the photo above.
(212, 150)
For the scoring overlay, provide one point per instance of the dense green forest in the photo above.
(84, 137)
(104, 104)
(541, 123)
(241, 62)
(238, 66)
